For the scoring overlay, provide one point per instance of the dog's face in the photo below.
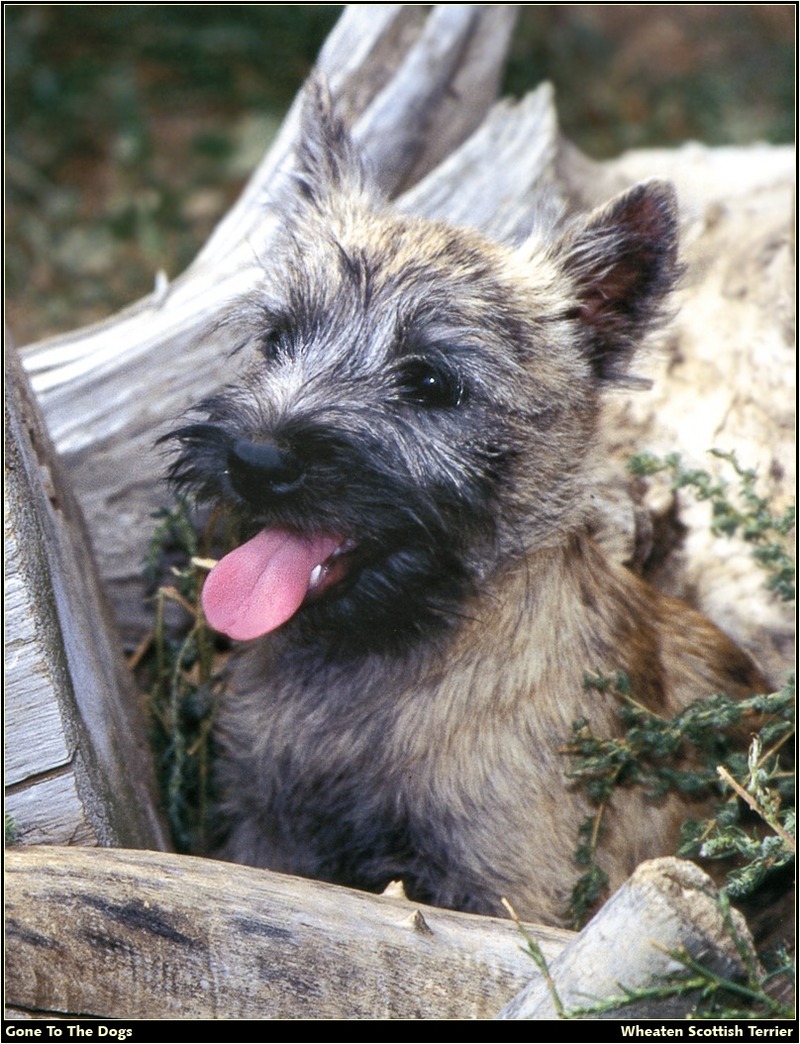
(415, 405)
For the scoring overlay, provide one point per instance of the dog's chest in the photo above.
(428, 758)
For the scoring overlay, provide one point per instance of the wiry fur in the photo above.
(434, 397)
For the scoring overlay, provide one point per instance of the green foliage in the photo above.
(707, 80)
(764, 787)
(743, 512)
(684, 755)
(174, 530)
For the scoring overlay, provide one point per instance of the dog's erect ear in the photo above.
(622, 262)
(327, 161)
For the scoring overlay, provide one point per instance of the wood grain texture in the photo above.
(145, 935)
(77, 759)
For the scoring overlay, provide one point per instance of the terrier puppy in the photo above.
(409, 451)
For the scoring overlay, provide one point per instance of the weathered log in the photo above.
(77, 765)
(143, 935)
(667, 907)
(99, 932)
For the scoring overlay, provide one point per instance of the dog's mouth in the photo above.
(259, 586)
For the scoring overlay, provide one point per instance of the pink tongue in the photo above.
(257, 587)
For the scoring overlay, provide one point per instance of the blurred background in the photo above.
(130, 128)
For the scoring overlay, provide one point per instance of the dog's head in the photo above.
(416, 404)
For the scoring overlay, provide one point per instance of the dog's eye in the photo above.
(430, 385)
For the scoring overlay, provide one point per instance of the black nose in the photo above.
(262, 471)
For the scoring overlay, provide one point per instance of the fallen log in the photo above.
(121, 934)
